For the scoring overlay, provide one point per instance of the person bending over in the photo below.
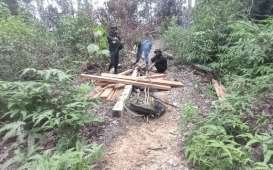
(143, 50)
(159, 61)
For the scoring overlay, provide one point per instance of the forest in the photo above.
(48, 122)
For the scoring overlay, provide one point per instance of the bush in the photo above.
(23, 45)
(237, 133)
(46, 102)
(26, 43)
(78, 158)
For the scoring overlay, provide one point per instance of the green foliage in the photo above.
(46, 105)
(250, 46)
(212, 148)
(82, 156)
(223, 38)
(4, 11)
(199, 43)
(265, 141)
(18, 46)
(75, 33)
(189, 114)
(47, 101)
(26, 43)
(78, 158)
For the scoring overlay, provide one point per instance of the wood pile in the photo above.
(118, 87)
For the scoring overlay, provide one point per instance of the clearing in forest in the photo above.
(156, 144)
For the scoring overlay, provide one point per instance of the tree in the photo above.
(261, 9)
(13, 6)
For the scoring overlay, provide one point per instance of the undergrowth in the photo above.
(25, 42)
(46, 101)
(237, 134)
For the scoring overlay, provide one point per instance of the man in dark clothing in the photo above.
(159, 61)
(115, 46)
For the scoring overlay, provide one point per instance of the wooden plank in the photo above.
(109, 98)
(97, 94)
(153, 76)
(102, 84)
(119, 86)
(156, 81)
(123, 81)
(106, 92)
(117, 94)
(119, 106)
(126, 72)
(95, 91)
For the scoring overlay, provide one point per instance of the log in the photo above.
(155, 81)
(128, 82)
(219, 88)
(119, 106)
(126, 72)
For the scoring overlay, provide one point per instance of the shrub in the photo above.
(224, 38)
(79, 158)
(46, 102)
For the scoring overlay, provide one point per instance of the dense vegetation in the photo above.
(43, 104)
(42, 45)
(25, 42)
(42, 109)
(235, 39)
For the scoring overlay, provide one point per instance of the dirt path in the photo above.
(157, 145)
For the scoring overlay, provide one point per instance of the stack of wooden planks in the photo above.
(118, 87)
(110, 86)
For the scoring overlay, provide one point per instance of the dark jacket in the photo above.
(114, 42)
(161, 63)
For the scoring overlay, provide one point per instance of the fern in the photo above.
(46, 102)
(78, 158)
(14, 129)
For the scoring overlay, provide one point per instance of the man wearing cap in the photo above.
(159, 61)
(115, 46)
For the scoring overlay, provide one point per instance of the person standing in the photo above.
(115, 46)
(143, 50)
